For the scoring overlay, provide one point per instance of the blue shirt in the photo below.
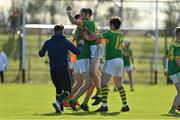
(57, 48)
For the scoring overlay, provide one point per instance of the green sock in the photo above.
(76, 98)
(122, 93)
(85, 101)
(104, 91)
(99, 92)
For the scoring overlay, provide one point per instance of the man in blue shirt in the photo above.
(57, 47)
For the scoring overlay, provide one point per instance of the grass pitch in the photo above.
(34, 101)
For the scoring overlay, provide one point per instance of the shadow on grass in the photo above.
(171, 115)
(48, 114)
(110, 114)
(79, 113)
(93, 113)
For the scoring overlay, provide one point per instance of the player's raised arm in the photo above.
(71, 18)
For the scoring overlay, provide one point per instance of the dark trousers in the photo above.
(2, 76)
(62, 81)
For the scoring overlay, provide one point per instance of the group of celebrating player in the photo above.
(92, 48)
(88, 65)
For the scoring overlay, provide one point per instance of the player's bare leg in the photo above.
(77, 85)
(95, 62)
(176, 101)
(89, 92)
(81, 90)
(130, 80)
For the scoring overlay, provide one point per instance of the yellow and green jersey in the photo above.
(127, 53)
(114, 44)
(85, 52)
(173, 52)
(90, 24)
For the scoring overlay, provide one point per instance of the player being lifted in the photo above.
(96, 50)
(113, 65)
(83, 64)
(77, 37)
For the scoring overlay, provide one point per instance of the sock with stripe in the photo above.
(122, 93)
(76, 98)
(85, 101)
(99, 92)
(104, 91)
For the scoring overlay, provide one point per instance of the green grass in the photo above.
(33, 101)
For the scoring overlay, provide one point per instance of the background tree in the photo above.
(172, 20)
(52, 11)
(35, 7)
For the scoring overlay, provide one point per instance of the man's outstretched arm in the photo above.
(71, 18)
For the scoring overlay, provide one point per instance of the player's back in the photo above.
(114, 44)
(57, 48)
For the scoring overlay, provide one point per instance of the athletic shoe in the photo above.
(72, 104)
(125, 108)
(102, 109)
(84, 107)
(57, 107)
(97, 101)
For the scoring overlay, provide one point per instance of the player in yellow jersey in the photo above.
(173, 57)
(113, 66)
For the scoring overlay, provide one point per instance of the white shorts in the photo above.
(175, 77)
(83, 65)
(97, 50)
(128, 68)
(114, 67)
(76, 68)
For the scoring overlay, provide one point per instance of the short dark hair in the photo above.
(177, 30)
(77, 16)
(58, 28)
(89, 11)
(116, 21)
(83, 10)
